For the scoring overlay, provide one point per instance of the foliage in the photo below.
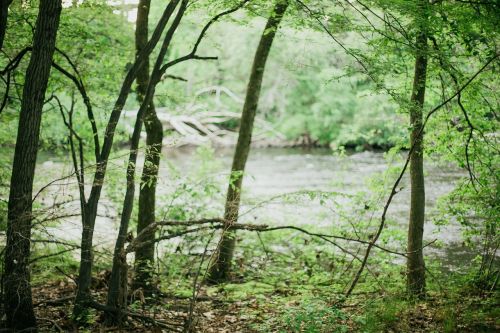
(352, 95)
(338, 109)
(105, 45)
(313, 317)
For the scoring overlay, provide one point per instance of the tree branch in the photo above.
(192, 54)
(86, 100)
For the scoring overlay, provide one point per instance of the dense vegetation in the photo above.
(97, 99)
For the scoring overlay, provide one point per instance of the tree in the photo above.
(4, 12)
(415, 261)
(18, 302)
(144, 256)
(89, 206)
(117, 294)
(219, 271)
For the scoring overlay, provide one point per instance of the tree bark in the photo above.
(90, 212)
(144, 257)
(18, 302)
(4, 13)
(415, 261)
(220, 267)
(117, 294)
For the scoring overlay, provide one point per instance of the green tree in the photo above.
(4, 12)
(89, 210)
(220, 268)
(144, 256)
(415, 261)
(18, 302)
(117, 293)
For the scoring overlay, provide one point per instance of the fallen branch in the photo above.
(53, 322)
(57, 301)
(154, 322)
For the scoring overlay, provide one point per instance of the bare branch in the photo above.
(192, 54)
(86, 100)
(79, 171)
(8, 70)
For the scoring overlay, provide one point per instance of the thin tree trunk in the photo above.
(90, 212)
(220, 268)
(144, 257)
(4, 13)
(117, 294)
(18, 302)
(415, 262)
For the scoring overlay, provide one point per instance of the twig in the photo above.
(192, 54)
(52, 255)
(148, 319)
(56, 301)
(54, 323)
(192, 303)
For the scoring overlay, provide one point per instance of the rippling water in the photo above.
(272, 172)
(275, 171)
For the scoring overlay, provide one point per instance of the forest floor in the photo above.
(274, 311)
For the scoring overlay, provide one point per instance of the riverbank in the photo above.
(277, 141)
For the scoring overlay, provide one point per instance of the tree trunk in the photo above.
(144, 257)
(118, 282)
(18, 302)
(220, 267)
(90, 212)
(4, 12)
(415, 261)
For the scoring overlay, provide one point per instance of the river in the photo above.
(271, 173)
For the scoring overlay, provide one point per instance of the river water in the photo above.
(272, 173)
